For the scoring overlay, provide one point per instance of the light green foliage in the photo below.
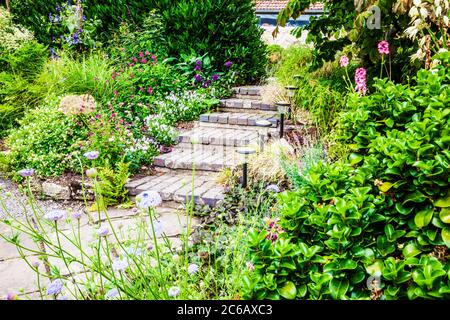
(111, 183)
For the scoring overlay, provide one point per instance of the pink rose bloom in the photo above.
(360, 79)
(383, 47)
(344, 61)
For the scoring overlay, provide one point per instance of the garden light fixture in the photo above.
(291, 90)
(283, 107)
(245, 152)
(265, 125)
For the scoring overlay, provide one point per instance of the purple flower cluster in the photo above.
(383, 47)
(55, 287)
(55, 215)
(26, 172)
(273, 229)
(198, 78)
(198, 65)
(360, 79)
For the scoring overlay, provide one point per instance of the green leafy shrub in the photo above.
(225, 29)
(44, 142)
(383, 213)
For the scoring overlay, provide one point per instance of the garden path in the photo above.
(209, 147)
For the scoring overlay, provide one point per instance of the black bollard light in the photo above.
(283, 106)
(245, 152)
(291, 90)
(265, 125)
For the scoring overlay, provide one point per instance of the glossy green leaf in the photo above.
(445, 215)
(338, 287)
(443, 202)
(423, 218)
(445, 233)
(355, 158)
(288, 291)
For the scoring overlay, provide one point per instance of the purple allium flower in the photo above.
(193, 268)
(55, 215)
(228, 64)
(77, 215)
(198, 78)
(113, 293)
(198, 68)
(102, 231)
(148, 199)
(383, 47)
(91, 155)
(344, 61)
(206, 84)
(198, 62)
(215, 77)
(119, 265)
(173, 291)
(273, 188)
(26, 172)
(360, 79)
(55, 287)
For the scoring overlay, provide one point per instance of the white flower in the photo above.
(102, 231)
(174, 291)
(148, 199)
(417, 3)
(113, 293)
(119, 265)
(55, 215)
(193, 268)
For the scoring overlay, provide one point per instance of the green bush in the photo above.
(225, 29)
(384, 212)
(44, 142)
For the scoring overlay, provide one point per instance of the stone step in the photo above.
(220, 137)
(246, 105)
(180, 188)
(248, 90)
(200, 157)
(241, 119)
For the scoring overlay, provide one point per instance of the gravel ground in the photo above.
(13, 200)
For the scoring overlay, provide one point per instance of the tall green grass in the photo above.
(91, 74)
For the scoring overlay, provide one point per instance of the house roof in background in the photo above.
(278, 5)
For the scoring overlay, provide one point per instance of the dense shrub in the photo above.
(382, 213)
(225, 29)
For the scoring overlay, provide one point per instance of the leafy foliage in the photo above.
(381, 213)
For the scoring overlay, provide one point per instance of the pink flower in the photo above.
(360, 79)
(141, 54)
(116, 93)
(147, 53)
(144, 61)
(150, 90)
(153, 57)
(383, 47)
(134, 59)
(343, 61)
(141, 89)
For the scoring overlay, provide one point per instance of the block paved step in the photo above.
(242, 119)
(178, 187)
(219, 136)
(248, 90)
(246, 105)
(202, 157)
